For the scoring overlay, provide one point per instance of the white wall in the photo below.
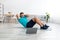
(54, 9)
(36, 7)
(27, 6)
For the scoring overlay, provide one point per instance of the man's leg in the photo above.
(38, 21)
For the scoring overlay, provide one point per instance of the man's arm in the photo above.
(27, 15)
(17, 16)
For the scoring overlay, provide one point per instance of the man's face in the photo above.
(22, 15)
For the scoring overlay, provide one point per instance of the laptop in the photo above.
(31, 31)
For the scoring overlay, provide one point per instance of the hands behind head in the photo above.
(27, 15)
(17, 15)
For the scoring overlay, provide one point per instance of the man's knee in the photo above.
(34, 19)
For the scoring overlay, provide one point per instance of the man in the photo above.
(22, 18)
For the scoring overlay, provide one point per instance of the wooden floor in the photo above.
(10, 31)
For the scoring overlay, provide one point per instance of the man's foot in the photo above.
(44, 27)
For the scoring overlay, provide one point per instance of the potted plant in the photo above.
(47, 16)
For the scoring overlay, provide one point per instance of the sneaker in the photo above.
(44, 27)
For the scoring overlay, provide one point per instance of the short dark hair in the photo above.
(21, 13)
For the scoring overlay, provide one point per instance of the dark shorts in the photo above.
(30, 24)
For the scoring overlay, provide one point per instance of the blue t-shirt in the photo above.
(23, 21)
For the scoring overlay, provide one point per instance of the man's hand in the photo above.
(17, 16)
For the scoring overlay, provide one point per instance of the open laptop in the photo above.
(31, 31)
